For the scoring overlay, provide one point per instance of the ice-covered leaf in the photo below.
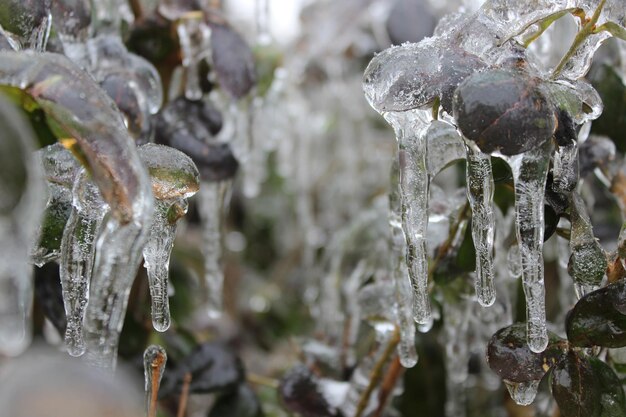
(574, 387)
(300, 392)
(72, 99)
(504, 111)
(599, 318)
(242, 402)
(213, 366)
(612, 397)
(233, 61)
(29, 20)
(510, 358)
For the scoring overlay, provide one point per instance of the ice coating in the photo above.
(211, 202)
(565, 170)
(445, 146)
(480, 188)
(174, 178)
(154, 361)
(22, 202)
(399, 269)
(28, 22)
(523, 393)
(410, 128)
(588, 262)
(77, 255)
(194, 37)
(529, 176)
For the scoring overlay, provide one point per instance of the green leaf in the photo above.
(612, 398)
(574, 387)
(508, 354)
(599, 318)
(242, 402)
(614, 29)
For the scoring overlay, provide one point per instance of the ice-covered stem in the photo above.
(587, 29)
(410, 128)
(194, 35)
(404, 295)
(529, 176)
(77, 253)
(211, 203)
(480, 189)
(588, 262)
(174, 178)
(154, 360)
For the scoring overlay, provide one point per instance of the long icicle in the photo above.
(77, 254)
(410, 128)
(480, 189)
(404, 296)
(211, 202)
(530, 171)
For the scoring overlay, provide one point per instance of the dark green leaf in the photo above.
(613, 400)
(242, 402)
(509, 356)
(574, 387)
(233, 61)
(599, 318)
(300, 393)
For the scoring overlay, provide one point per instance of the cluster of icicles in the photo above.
(124, 207)
(423, 90)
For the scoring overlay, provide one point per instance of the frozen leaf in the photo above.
(232, 60)
(574, 387)
(599, 318)
(173, 173)
(29, 20)
(300, 392)
(242, 402)
(213, 366)
(510, 358)
(504, 111)
(612, 398)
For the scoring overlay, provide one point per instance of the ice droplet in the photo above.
(410, 128)
(530, 171)
(154, 360)
(77, 254)
(523, 393)
(480, 188)
(211, 200)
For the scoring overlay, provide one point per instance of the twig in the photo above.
(585, 31)
(376, 374)
(156, 367)
(137, 9)
(389, 383)
(446, 246)
(184, 396)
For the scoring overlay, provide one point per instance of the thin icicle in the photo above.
(480, 189)
(154, 360)
(194, 37)
(77, 253)
(156, 255)
(263, 36)
(211, 200)
(399, 269)
(529, 175)
(410, 128)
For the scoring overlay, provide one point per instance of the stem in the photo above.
(446, 246)
(587, 29)
(394, 371)
(184, 396)
(157, 366)
(376, 374)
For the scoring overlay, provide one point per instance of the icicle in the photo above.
(194, 37)
(565, 168)
(109, 15)
(514, 265)
(480, 189)
(154, 360)
(211, 200)
(523, 393)
(456, 325)
(410, 128)
(588, 262)
(263, 36)
(403, 293)
(529, 175)
(77, 254)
